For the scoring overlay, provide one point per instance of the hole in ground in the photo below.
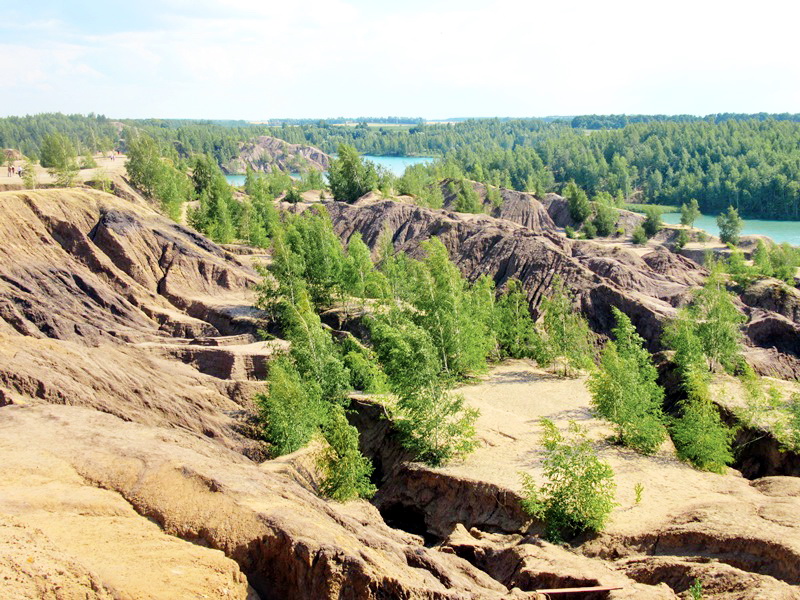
(409, 519)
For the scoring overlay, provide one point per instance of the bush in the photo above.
(625, 389)
(699, 434)
(365, 371)
(344, 469)
(681, 240)
(638, 236)
(579, 493)
(291, 410)
(434, 424)
(570, 232)
(589, 230)
(652, 223)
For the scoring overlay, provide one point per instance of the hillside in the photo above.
(266, 153)
(129, 361)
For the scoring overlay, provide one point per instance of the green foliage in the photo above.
(345, 471)
(57, 153)
(589, 230)
(638, 236)
(579, 493)
(293, 196)
(359, 276)
(681, 240)
(652, 223)
(291, 410)
(717, 322)
(29, 178)
(318, 251)
(513, 325)
(698, 433)
(155, 177)
(578, 202)
(638, 490)
(405, 350)
(696, 590)
(494, 197)
(88, 161)
(313, 351)
(350, 177)
(730, 226)
(742, 273)
(605, 218)
(570, 232)
(467, 199)
(366, 373)
(435, 425)
(690, 213)
(625, 389)
(454, 314)
(567, 334)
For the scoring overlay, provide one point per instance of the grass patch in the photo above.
(642, 208)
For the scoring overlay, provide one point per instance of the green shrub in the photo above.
(579, 493)
(652, 223)
(365, 371)
(589, 230)
(435, 425)
(699, 434)
(625, 389)
(291, 410)
(344, 469)
(681, 240)
(638, 236)
(570, 232)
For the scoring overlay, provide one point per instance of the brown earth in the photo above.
(738, 533)
(129, 361)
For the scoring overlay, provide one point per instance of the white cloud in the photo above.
(256, 59)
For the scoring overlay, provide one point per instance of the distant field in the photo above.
(641, 208)
(392, 125)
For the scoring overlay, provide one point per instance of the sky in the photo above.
(260, 59)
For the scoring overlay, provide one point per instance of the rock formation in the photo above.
(266, 153)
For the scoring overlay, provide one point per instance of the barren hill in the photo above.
(132, 465)
(265, 153)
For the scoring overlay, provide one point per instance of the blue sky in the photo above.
(251, 59)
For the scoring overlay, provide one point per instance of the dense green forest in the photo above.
(750, 162)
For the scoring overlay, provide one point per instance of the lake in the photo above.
(396, 164)
(779, 231)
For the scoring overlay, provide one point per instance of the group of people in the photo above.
(12, 170)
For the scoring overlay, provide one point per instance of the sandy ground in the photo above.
(516, 395)
(104, 165)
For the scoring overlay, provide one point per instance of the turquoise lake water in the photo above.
(396, 164)
(779, 231)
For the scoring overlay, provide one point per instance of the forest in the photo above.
(750, 162)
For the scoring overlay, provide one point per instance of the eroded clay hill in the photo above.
(132, 466)
(265, 153)
(131, 461)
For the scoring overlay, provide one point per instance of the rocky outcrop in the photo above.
(518, 207)
(775, 296)
(266, 153)
(88, 280)
(601, 276)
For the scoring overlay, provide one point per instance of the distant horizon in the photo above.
(404, 120)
